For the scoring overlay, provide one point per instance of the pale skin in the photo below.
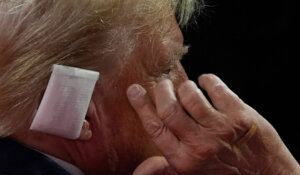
(200, 141)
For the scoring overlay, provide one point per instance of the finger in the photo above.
(196, 103)
(171, 112)
(222, 97)
(165, 140)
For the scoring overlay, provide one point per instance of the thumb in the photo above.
(157, 165)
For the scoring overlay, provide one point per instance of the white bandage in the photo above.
(65, 102)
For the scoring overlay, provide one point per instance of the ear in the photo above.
(86, 131)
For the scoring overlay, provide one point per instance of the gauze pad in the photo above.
(65, 102)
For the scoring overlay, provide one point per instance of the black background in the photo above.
(251, 46)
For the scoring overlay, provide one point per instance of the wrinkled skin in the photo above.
(200, 140)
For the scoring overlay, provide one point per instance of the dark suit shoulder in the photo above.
(16, 159)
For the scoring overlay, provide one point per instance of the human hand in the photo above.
(197, 137)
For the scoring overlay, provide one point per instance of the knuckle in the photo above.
(162, 84)
(237, 125)
(219, 123)
(220, 90)
(154, 129)
(184, 85)
(191, 101)
(169, 111)
(210, 115)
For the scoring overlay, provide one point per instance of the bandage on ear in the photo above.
(65, 102)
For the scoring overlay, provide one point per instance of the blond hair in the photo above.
(35, 34)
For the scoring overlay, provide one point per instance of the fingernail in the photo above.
(135, 91)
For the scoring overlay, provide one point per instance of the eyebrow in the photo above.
(178, 54)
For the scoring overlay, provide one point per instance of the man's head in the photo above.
(136, 41)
